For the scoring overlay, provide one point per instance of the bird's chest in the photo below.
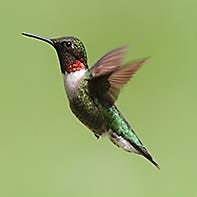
(72, 82)
(82, 104)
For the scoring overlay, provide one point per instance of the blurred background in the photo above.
(46, 151)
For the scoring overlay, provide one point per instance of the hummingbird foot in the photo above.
(97, 136)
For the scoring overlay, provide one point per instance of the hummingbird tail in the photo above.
(121, 142)
(142, 150)
(130, 146)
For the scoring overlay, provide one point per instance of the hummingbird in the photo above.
(92, 92)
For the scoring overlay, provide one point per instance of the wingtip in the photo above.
(144, 59)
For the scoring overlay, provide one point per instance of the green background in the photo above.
(46, 152)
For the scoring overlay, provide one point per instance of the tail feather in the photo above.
(142, 150)
(131, 146)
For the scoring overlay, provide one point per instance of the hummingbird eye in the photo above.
(67, 44)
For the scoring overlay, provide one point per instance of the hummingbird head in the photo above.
(70, 50)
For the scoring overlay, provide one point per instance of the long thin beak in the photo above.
(39, 38)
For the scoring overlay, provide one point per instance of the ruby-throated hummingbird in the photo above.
(93, 91)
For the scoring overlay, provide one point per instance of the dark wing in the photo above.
(107, 87)
(121, 76)
(109, 62)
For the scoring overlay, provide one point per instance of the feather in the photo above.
(106, 87)
(121, 76)
(109, 62)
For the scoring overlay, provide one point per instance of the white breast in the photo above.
(71, 82)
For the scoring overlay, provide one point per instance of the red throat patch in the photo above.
(75, 67)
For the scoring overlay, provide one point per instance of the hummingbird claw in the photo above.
(97, 136)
